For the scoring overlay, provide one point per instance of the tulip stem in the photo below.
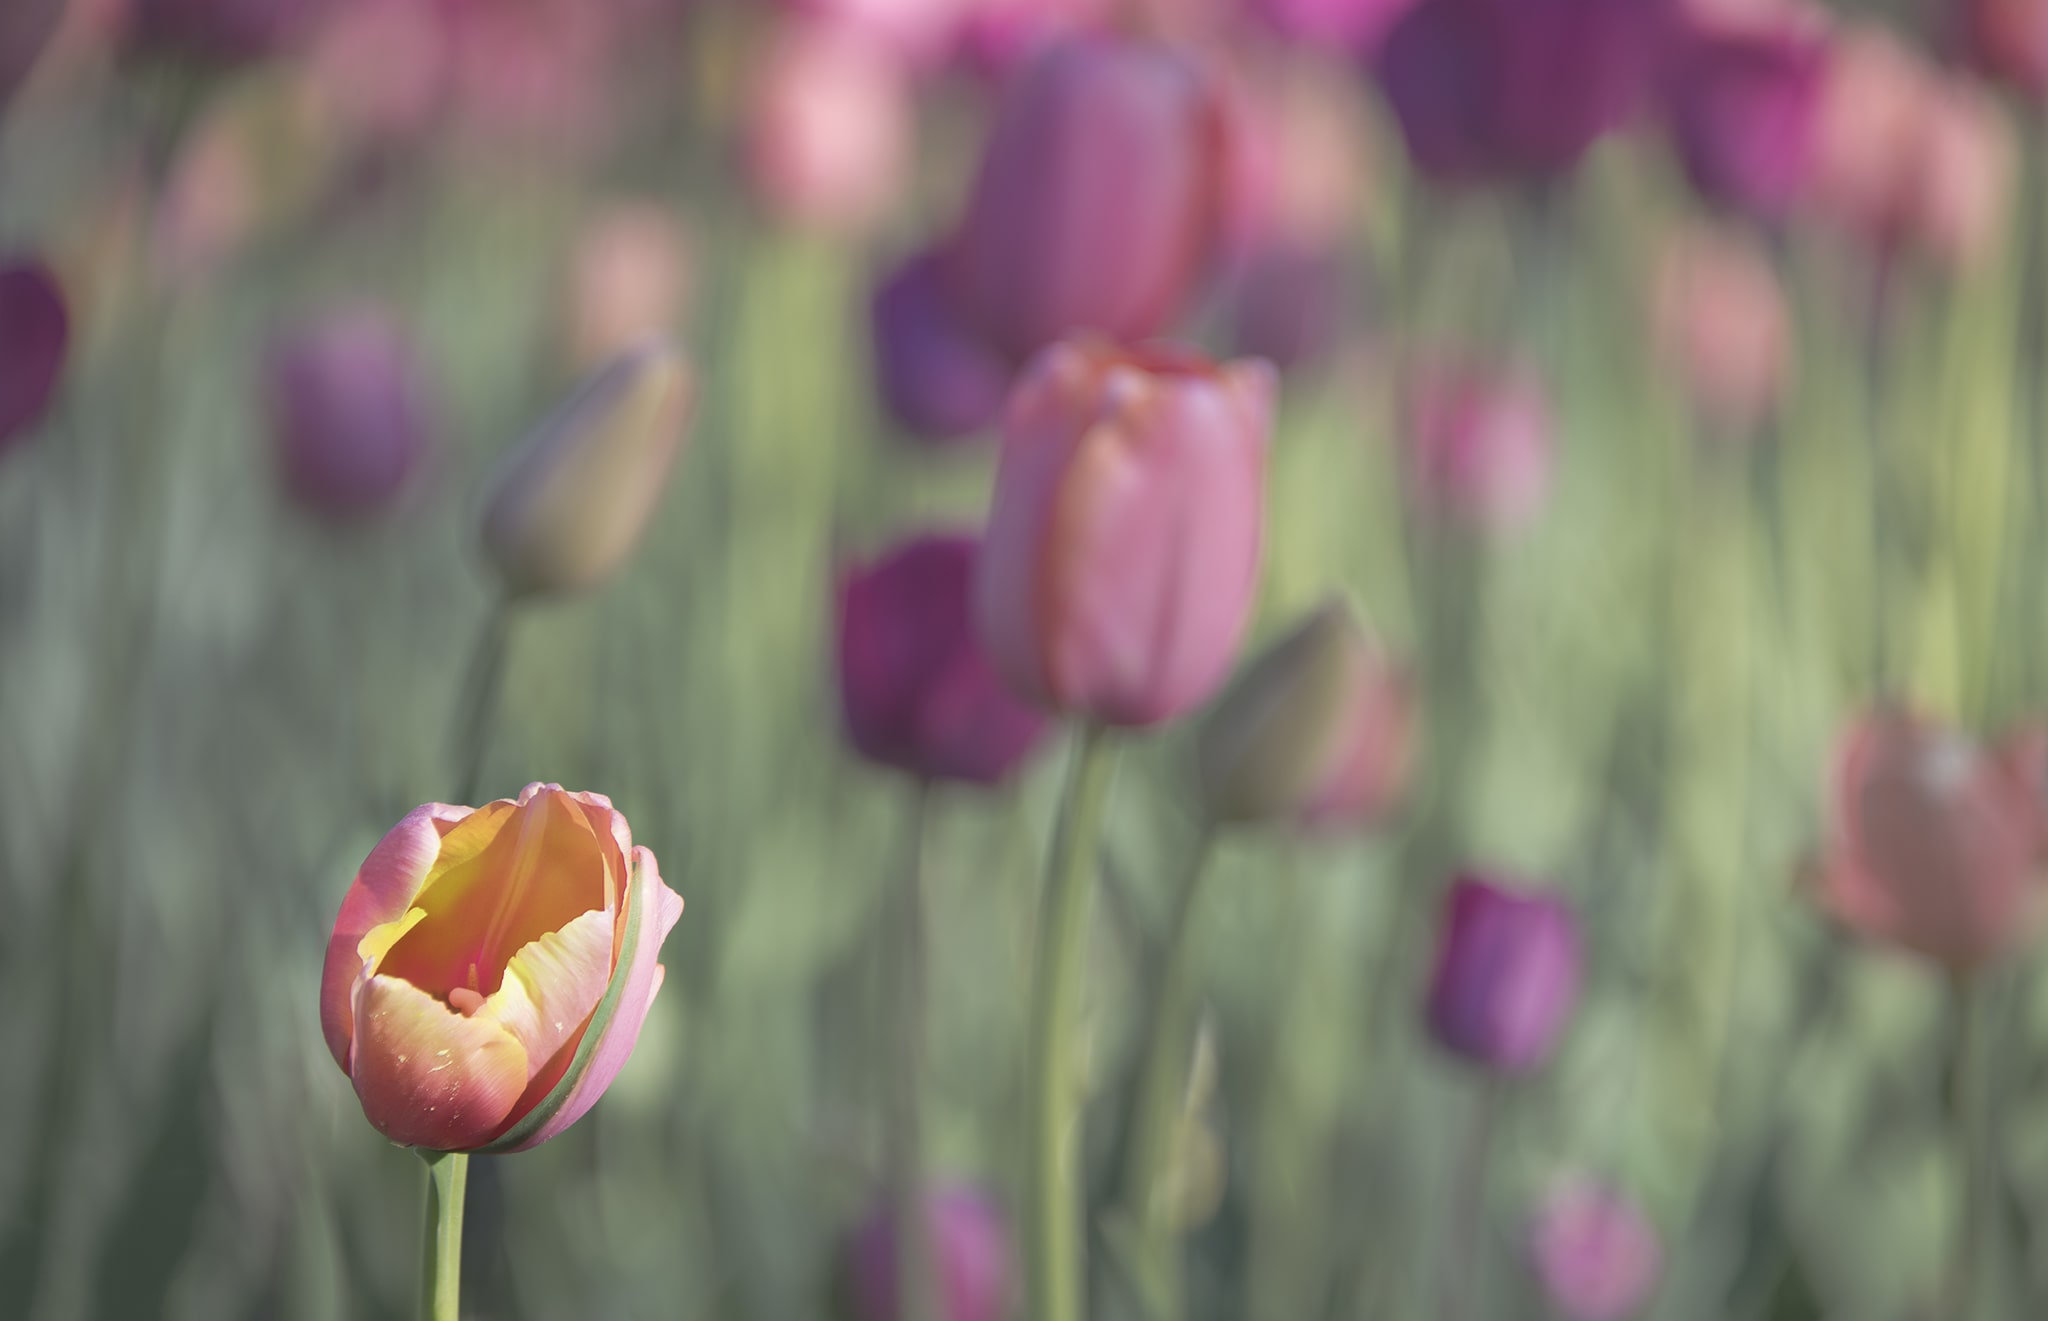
(483, 679)
(906, 1130)
(1053, 1245)
(1969, 1114)
(1465, 1249)
(441, 1236)
(1156, 1105)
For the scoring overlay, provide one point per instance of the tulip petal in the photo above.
(551, 986)
(428, 1076)
(652, 909)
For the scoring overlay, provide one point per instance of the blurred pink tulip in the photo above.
(996, 38)
(1122, 554)
(916, 31)
(970, 1261)
(1595, 1252)
(491, 967)
(937, 378)
(828, 129)
(1098, 205)
(1354, 27)
(1300, 159)
(2008, 39)
(628, 279)
(348, 412)
(1479, 445)
(1935, 845)
(1745, 101)
(1721, 326)
(35, 340)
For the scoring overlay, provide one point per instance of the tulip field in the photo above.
(1023, 660)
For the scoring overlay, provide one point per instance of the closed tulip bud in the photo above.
(935, 376)
(1934, 845)
(1122, 553)
(1317, 729)
(1479, 445)
(1595, 1252)
(1507, 975)
(571, 503)
(35, 337)
(2008, 39)
(1099, 201)
(348, 413)
(491, 967)
(970, 1259)
(828, 129)
(1722, 327)
(1745, 110)
(918, 692)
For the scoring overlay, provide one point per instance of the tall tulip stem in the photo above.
(906, 1126)
(483, 678)
(441, 1236)
(1969, 1112)
(1155, 1112)
(1053, 1244)
(1465, 1247)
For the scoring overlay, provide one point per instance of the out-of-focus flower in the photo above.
(1595, 1252)
(970, 1260)
(995, 38)
(1299, 157)
(226, 30)
(1287, 304)
(348, 412)
(1721, 326)
(1910, 159)
(1479, 444)
(1318, 729)
(1353, 26)
(916, 31)
(1745, 103)
(628, 279)
(491, 967)
(1490, 89)
(25, 28)
(827, 129)
(1507, 974)
(1098, 205)
(935, 376)
(35, 338)
(1122, 554)
(2008, 39)
(917, 691)
(1933, 844)
(571, 503)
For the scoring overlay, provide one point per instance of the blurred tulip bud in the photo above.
(1300, 159)
(1935, 846)
(1122, 553)
(1354, 27)
(628, 280)
(1507, 975)
(828, 129)
(1098, 205)
(1721, 326)
(1595, 1252)
(491, 967)
(1287, 305)
(1317, 729)
(1967, 184)
(1479, 441)
(1745, 102)
(348, 412)
(571, 503)
(25, 28)
(970, 1261)
(224, 30)
(917, 691)
(934, 375)
(35, 338)
(996, 38)
(1491, 89)
(2008, 40)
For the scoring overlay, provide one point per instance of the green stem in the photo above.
(1052, 1238)
(1969, 1114)
(441, 1236)
(1465, 1248)
(1156, 1108)
(906, 1130)
(484, 678)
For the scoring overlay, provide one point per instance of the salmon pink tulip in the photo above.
(491, 968)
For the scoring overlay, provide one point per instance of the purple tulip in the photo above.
(1099, 200)
(1287, 305)
(348, 413)
(1595, 1252)
(935, 376)
(917, 691)
(1745, 106)
(1490, 89)
(970, 1260)
(1507, 974)
(35, 334)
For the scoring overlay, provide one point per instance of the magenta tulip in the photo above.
(917, 691)
(1745, 106)
(1099, 201)
(1595, 1252)
(1936, 846)
(2008, 39)
(1507, 974)
(936, 377)
(969, 1252)
(348, 412)
(1479, 445)
(491, 967)
(1122, 553)
(35, 337)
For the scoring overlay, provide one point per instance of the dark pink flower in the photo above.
(935, 375)
(35, 337)
(1745, 104)
(970, 1260)
(1595, 1252)
(348, 412)
(1507, 974)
